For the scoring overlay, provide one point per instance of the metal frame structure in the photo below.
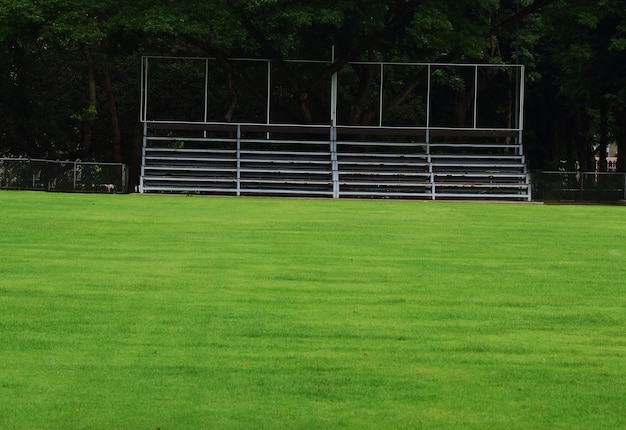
(422, 161)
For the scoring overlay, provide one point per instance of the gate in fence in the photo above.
(405, 149)
(54, 175)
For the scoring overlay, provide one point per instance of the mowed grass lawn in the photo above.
(169, 312)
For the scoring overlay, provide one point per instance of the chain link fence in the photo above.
(93, 177)
(600, 187)
(67, 176)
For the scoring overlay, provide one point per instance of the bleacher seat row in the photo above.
(304, 161)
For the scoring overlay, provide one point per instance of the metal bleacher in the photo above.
(333, 161)
(237, 159)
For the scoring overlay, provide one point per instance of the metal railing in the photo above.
(391, 162)
(67, 176)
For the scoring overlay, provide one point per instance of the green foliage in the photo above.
(577, 70)
(89, 114)
(618, 40)
(572, 53)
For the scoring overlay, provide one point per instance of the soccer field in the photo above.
(171, 312)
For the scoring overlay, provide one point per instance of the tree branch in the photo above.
(519, 16)
(270, 51)
(395, 18)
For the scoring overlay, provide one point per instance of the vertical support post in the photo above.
(74, 184)
(519, 118)
(516, 101)
(428, 156)
(334, 162)
(143, 107)
(238, 159)
(124, 179)
(428, 99)
(269, 95)
(516, 104)
(334, 165)
(206, 94)
(141, 89)
(269, 91)
(431, 173)
(380, 96)
(333, 93)
(475, 95)
(520, 113)
(143, 157)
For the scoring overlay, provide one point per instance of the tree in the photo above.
(70, 68)
(579, 91)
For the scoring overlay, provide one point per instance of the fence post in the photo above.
(124, 178)
(582, 186)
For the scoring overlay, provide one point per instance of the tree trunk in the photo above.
(620, 115)
(89, 115)
(134, 170)
(462, 104)
(568, 134)
(305, 108)
(115, 123)
(228, 116)
(365, 74)
(604, 135)
(585, 153)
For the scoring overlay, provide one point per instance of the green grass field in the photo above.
(147, 311)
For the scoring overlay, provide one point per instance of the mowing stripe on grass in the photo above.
(172, 312)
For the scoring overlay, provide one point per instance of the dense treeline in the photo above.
(69, 69)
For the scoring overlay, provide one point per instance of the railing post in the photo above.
(143, 156)
(429, 160)
(334, 161)
(238, 159)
